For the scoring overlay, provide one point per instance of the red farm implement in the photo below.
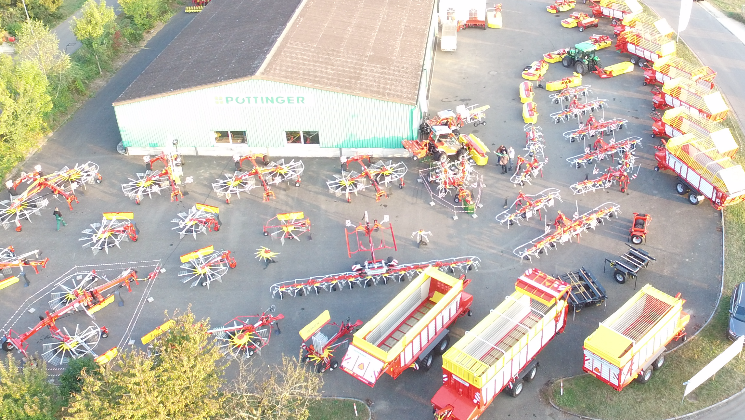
(205, 265)
(644, 47)
(593, 127)
(88, 292)
(113, 229)
(243, 336)
(566, 229)
(379, 175)
(410, 330)
(200, 219)
(576, 109)
(287, 226)
(458, 179)
(320, 349)
(266, 172)
(639, 226)
(679, 121)
(527, 168)
(498, 354)
(670, 67)
(616, 10)
(399, 273)
(702, 101)
(526, 206)
(153, 181)
(10, 260)
(365, 242)
(702, 171)
(62, 183)
(601, 150)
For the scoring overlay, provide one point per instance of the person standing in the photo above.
(511, 157)
(501, 152)
(58, 216)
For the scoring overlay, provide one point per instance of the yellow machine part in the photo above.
(119, 216)
(526, 92)
(97, 307)
(315, 325)
(106, 357)
(290, 216)
(198, 253)
(209, 209)
(530, 113)
(158, 331)
(7, 282)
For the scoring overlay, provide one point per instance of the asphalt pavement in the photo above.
(485, 69)
(67, 40)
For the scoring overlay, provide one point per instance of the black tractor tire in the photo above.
(442, 346)
(567, 61)
(517, 388)
(580, 67)
(425, 362)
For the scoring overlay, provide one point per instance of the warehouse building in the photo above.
(288, 78)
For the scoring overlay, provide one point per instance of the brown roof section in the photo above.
(372, 48)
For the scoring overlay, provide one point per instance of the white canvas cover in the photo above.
(734, 180)
(723, 141)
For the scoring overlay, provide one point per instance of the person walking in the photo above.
(58, 216)
(511, 157)
(501, 152)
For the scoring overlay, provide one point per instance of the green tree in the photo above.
(95, 30)
(145, 13)
(24, 100)
(37, 44)
(283, 393)
(180, 382)
(71, 379)
(25, 394)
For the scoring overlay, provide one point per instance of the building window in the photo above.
(230, 137)
(302, 137)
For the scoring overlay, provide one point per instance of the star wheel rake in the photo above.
(199, 219)
(267, 173)
(72, 346)
(113, 229)
(72, 287)
(287, 226)
(146, 184)
(379, 175)
(527, 206)
(205, 265)
(243, 336)
(458, 178)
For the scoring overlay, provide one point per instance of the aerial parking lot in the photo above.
(485, 69)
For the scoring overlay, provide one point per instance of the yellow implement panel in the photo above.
(106, 357)
(97, 307)
(290, 216)
(209, 209)
(7, 282)
(119, 216)
(198, 253)
(158, 331)
(315, 325)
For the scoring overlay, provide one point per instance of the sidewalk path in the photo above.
(67, 41)
(718, 41)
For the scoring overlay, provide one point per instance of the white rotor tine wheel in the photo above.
(65, 292)
(388, 172)
(142, 185)
(187, 223)
(199, 272)
(78, 345)
(12, 212)
(99, 236)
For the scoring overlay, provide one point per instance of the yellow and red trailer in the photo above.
(409, 330)
(631, 343)
(679, 121)
(702, 171)
(500, 352)
(702, 101)
(644, 47)
(671, 67)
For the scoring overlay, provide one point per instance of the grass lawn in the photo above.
(337, 409)
(734, 9)
(661, 398)
(68, 8)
